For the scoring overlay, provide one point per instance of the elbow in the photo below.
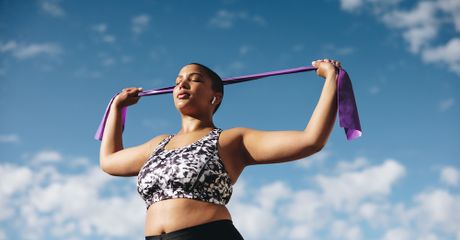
(310, 150)
(103, 165)
(107, 166)
(318, 147)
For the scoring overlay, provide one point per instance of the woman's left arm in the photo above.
(263, 147)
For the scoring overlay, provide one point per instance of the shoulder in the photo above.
(238, 130)
(236, 133)
(154, 141)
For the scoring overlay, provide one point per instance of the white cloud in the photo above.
(12, 180)
(299, 232)
(108, 38)
(9, 138)
(140, 23)
(452, 7)
(271, 193)
(108, 61)
(247, 215)
(244, 50)
(102, 33)
(46, 201)
(350, 5)
(18, 178)
(376, 214)
(374, 90)
(315, 159)
(450, 176)
(32, 50)
(342, 230)
(79, 162)
(9, 46)
(349, 188)
(52, 8)
(26, 51)
(43, 201)
(225, 19)
(47, 156)
(437, 209)
(306, 207)
(253, 221)
(100, 28)
(420, 26)
(258, 20)
(358, 163)
(2, 235)
(305, 213)
(448, 54)
(397, 234)
(230, 69)
(446, 104)
(331, 49)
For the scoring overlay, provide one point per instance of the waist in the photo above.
(174, 214)
(210, 230)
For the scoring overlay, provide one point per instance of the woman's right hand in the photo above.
(127, 97)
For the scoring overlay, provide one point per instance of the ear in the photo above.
(218, 97)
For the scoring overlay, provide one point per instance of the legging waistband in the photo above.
(219, 229)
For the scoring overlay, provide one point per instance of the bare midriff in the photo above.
(173, 214)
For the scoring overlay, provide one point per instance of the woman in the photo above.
(186, 179)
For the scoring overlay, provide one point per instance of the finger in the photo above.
(133, 89)
(336, 63)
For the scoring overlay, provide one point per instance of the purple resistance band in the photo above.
(348, 112)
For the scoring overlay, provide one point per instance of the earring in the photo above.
(213, 100)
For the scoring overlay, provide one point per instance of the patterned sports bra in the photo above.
(194, 171)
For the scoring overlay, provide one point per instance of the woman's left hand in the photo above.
(326, 68)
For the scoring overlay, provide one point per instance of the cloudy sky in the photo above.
(62, 61)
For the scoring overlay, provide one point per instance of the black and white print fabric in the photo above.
(194, 171)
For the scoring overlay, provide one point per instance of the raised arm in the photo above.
(263, 147)
(113, 158)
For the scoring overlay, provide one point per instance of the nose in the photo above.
(183, 84)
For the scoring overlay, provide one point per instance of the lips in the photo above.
(183, 95)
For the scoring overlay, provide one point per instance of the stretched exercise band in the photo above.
(347, 110)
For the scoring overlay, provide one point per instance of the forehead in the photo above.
(187, 69)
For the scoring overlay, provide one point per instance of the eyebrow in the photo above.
(191, 74)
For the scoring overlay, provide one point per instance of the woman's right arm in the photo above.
(113, 158)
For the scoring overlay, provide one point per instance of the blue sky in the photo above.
(62, 61)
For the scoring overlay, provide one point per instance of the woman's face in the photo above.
(193, 92)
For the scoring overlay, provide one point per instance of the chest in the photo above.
(181, 167)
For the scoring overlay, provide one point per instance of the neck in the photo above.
(191, 124)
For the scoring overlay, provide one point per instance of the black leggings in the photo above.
(215, 230)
